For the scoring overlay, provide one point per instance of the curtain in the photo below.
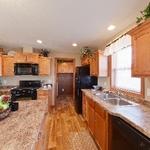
(121, 52)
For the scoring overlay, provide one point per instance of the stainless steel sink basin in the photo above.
(116, 101)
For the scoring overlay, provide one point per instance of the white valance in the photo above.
(120, 44)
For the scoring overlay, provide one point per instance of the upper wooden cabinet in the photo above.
(26, 58)
(7, 65)
(102, 64)
(66, 67)
(141, 49)
(99, 64)
(44, 66)
(94, 64)
(85, 60)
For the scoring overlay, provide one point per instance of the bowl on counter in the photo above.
(5, 107)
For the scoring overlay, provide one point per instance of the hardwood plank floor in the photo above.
(68, 130)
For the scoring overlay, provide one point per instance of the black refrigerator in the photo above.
(83, 80)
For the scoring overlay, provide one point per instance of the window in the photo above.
(121, 78)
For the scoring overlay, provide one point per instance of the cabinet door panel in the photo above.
(141, 58)
(100, 131)
(8, 66)
(141, 49)
(20, 58)
(32, 58)
(44, 66)
(91, 119)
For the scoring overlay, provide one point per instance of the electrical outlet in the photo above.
(148, 92)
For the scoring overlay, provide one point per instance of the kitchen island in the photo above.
(22, 130)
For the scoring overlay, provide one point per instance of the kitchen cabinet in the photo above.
(44, 66)
(45, 94)
(7, 65)
(65, 67)
(91, 115)
(102, 64)
(97, 121)
(94, 66)
(100, 126)
(26, 58)
(85, 60)
(98, 64)
(141, 49)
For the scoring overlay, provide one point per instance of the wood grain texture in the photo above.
(7, 65)
(68, 131)
(141, 49)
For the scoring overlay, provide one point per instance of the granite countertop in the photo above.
(20, 130)
(137, 116)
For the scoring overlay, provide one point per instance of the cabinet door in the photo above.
(91, 105)
(103, 65)
(100, 127)
(44, 66)
(32, 58)
(141, 49)
(85, 60)
(141, 53)
(100, 132)
(66, 67)
(94, 64)
(20, 58)
(8, 66)
(91, 119)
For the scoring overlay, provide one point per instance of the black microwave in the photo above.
(26, 69)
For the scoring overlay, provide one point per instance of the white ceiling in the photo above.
(59, 23)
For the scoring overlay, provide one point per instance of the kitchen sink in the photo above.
(117, 101)
(113, 99)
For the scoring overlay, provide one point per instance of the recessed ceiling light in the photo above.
(74, 44)
(111, 27)
(39, 41)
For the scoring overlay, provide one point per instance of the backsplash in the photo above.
(13, 81)
(104, 82)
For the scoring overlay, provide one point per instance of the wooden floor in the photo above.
(68, 131)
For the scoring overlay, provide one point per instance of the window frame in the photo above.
(126, 91)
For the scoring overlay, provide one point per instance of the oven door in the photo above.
(23, 69)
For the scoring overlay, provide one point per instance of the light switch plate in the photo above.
(148, 92)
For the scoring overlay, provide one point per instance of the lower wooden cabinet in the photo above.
(97, 121)
(91, 115)
(100, 126)
(0, 65)
(43, 94)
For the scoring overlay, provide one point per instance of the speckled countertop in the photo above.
(137, 116)
(20, 130)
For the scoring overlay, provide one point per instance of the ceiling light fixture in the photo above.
(111, 27)
(39, 41)
(74, 44)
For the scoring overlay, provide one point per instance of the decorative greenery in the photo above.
(86, 52)
(145, 14)
(44, 52)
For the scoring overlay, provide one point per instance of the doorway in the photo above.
(65, 76)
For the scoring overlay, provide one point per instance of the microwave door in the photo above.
(23, 69)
